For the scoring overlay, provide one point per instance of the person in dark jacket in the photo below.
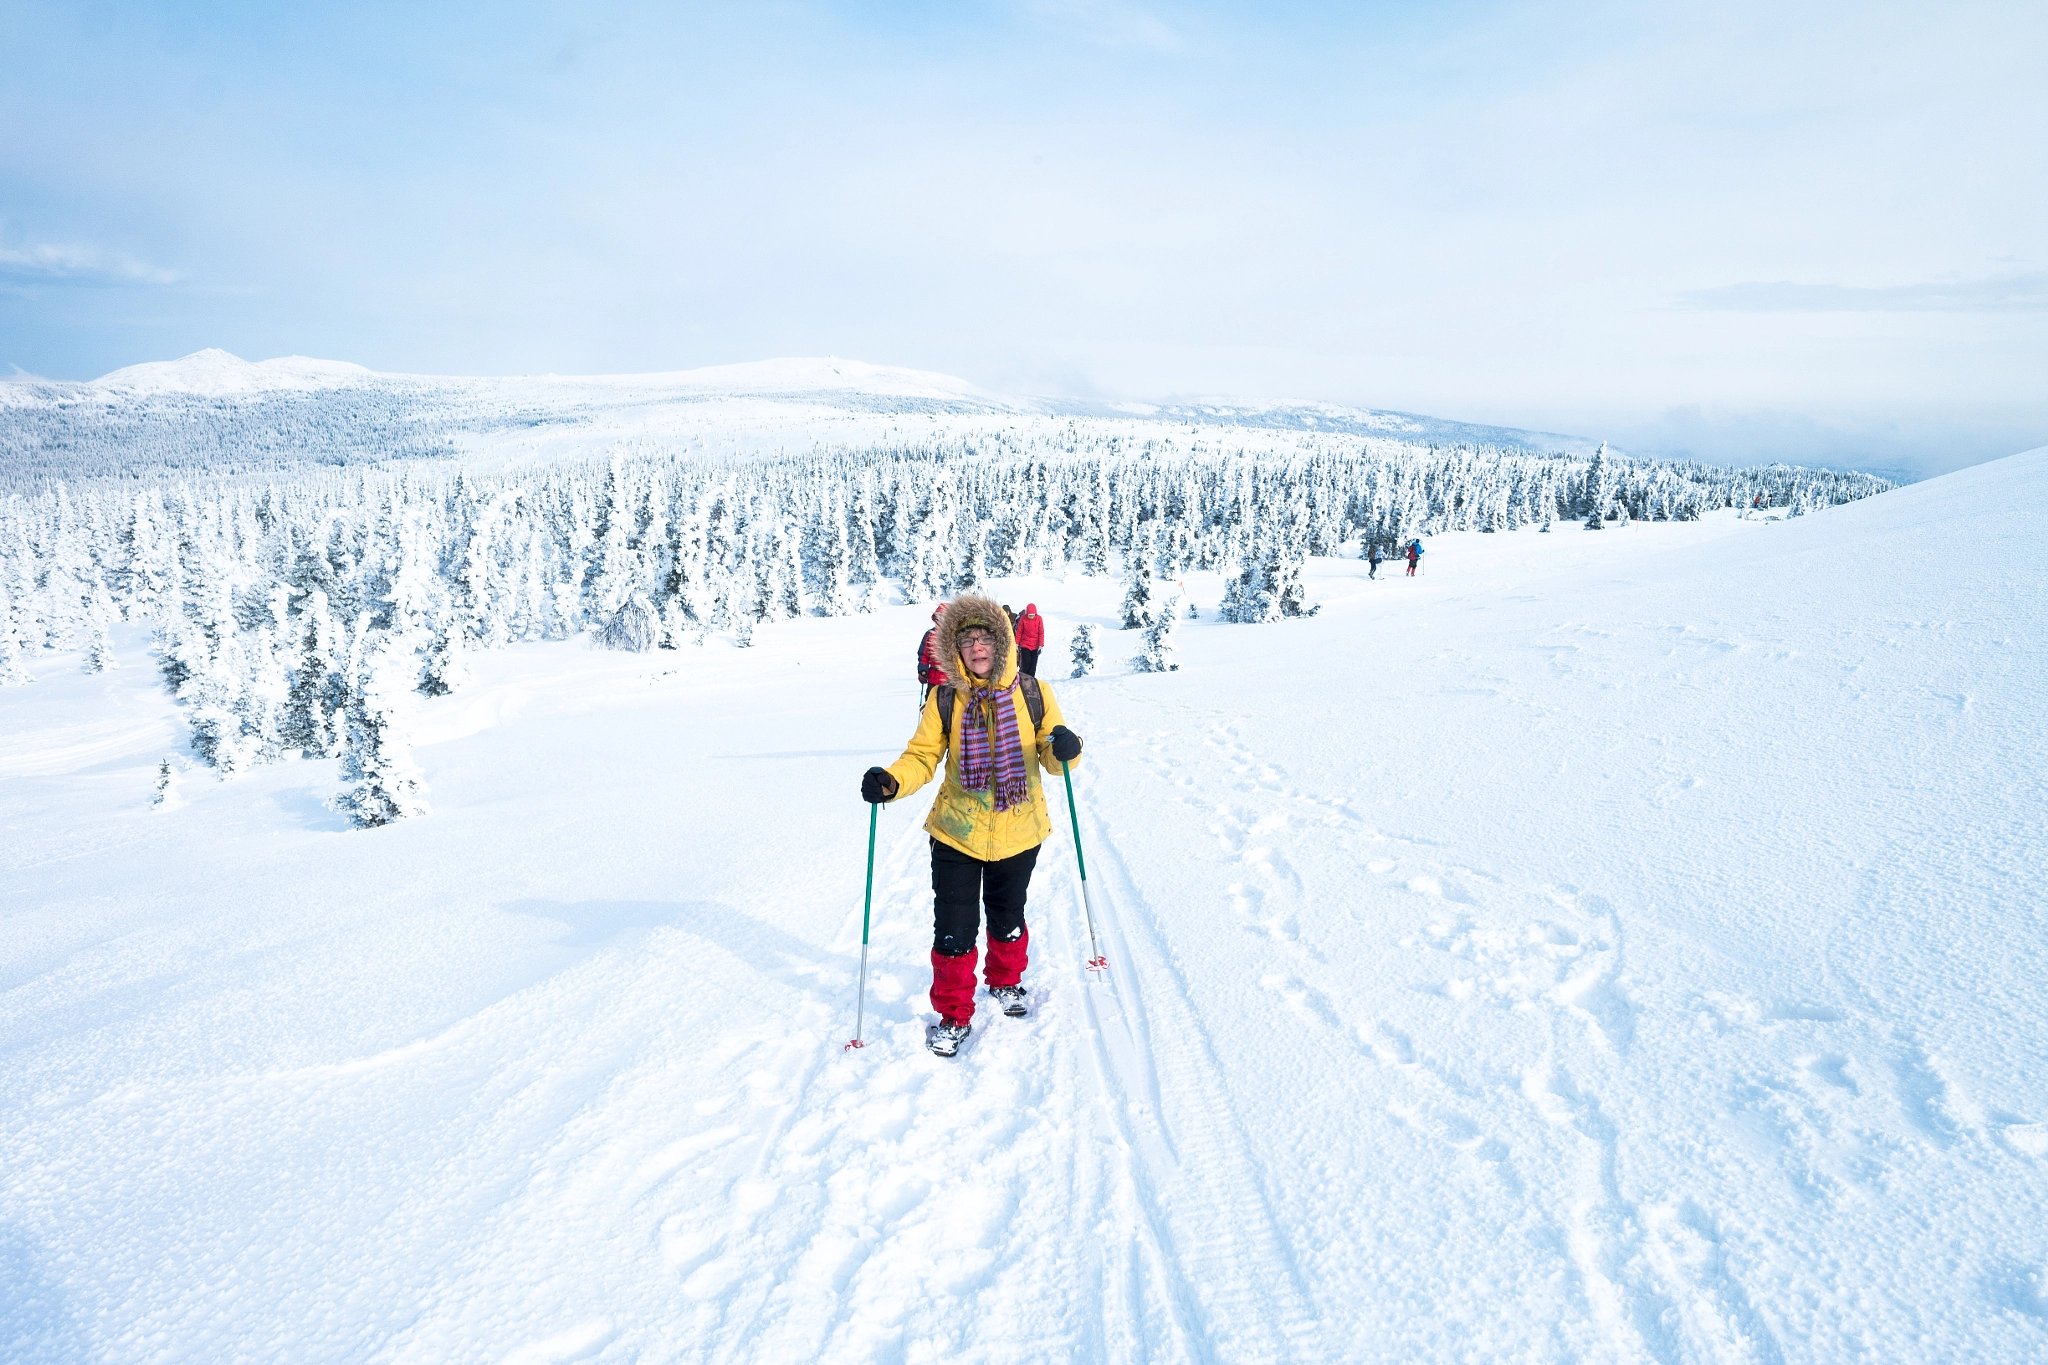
(1030, 639)
(1414, 556)
(1372, 559)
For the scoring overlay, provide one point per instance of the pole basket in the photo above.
(1098, 964)
(855, 1043)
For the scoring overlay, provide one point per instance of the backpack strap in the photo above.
(1034, 703)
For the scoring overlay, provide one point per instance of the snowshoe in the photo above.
(1011, 998)
(945, 1038)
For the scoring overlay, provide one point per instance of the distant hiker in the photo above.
(1012, 615)
(930, 671)
(1372, 560)
(988, 722)
(1030, 638)
(1414, 556)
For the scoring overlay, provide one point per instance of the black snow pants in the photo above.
(961, 884)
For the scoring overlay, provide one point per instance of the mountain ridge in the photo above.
(825, 382)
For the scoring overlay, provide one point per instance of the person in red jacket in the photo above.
(930, 671)
(1030, 639)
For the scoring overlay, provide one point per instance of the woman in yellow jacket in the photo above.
(990, 815)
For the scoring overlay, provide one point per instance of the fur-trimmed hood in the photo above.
(968, 609)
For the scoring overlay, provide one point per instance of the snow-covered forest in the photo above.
(294, 615)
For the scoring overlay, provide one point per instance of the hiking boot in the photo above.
(1011, 998)
(945, 1037)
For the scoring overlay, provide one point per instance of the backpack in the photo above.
(922, 646)
(1034, 703)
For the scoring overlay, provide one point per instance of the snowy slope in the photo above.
(215, 373)
(1606, 946)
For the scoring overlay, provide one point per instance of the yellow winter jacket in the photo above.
(969, 820)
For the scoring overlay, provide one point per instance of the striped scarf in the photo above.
(993, 751)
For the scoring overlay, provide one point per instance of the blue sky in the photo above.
(1765, 231)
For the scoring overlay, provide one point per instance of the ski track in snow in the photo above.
(1230, 1268)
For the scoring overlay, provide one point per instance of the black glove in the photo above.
(1066, 745)
(876, 786)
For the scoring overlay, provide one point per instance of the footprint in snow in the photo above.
(2028, 1139)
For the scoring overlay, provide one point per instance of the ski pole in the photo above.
(1096, 961)
(867, 902)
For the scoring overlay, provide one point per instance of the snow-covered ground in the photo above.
(1606, 946)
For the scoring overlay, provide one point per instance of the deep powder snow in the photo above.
(1606, 946)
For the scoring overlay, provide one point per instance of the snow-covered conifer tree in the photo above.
(1138, 590)
(99, 651)
(1247, 599)
(12, 673)
(617, 602)
(897, 540)
(689, 561)
(1287, 596)
(973, 574)
(932, 570)
(635, 626)
(316, 690)
(213, 697)
(446, 666)
(564, 614)
(383, 782)
(787, 550)
(417, 609)
(1159, 654)
(1095, 546)
(266, 695)
(864, 570)
(614, 571)
(167, 797)
(835, 555)
(145, 570)
(1081, 650)
(483, 591)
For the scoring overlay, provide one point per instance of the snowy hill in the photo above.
(1617, 946)
(215, 373)
(214, 413)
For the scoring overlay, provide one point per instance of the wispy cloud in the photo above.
(1107, 24)
(79, 265)
(2022, 293)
